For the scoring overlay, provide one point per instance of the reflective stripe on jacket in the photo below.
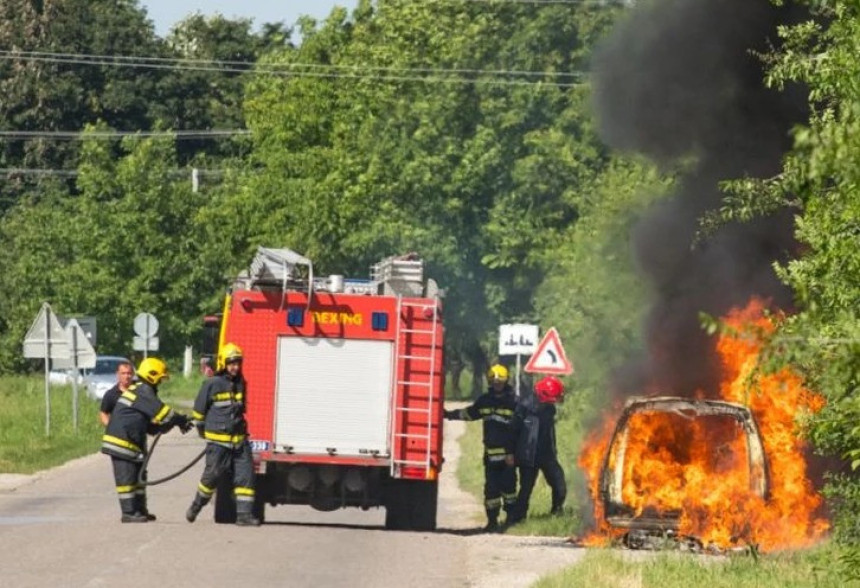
(220, 408)
(138, 411)
(497, 413)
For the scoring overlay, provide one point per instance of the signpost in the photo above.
(517, 339)
(47, 340)
(81, 356)
(146, 327)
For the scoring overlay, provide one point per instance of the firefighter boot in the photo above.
(129, 514)
(196, 506)
(492, 521)
(244, 516)
(141, 506)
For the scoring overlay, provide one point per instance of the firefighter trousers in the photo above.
(131, 493)
(554, 476)
(500, 488)
(234, 461)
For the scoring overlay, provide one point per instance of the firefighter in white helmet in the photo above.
(496, 409)
(219, 413)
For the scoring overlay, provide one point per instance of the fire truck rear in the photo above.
(345, 386)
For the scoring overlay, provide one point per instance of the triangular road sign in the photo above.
(81, 352)
(46, 335)
(549, 358)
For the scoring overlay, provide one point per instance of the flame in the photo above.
(699, 467)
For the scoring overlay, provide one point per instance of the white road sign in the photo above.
(46, 338)
(145, 324)
(81, 352)
(517, 339)
(144, 344)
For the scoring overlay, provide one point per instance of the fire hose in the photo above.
(141, 478)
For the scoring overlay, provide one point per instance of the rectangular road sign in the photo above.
(517, 339)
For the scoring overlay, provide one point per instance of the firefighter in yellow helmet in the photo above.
(496, 409)
(219, 413)
(138, 411)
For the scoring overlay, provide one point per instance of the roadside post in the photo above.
(81, 356)
(46, 339)
(145, 327)
(519, 340)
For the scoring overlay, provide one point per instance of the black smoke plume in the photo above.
(678, 80)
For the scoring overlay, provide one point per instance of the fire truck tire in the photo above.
(225, 505)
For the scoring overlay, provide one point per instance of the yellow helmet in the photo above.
(152, 370)
(497, 373)
(229, 352)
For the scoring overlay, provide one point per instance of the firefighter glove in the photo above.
(450, 414)
(184, 423)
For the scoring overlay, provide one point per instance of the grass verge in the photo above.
(24, 445)
(604, 568)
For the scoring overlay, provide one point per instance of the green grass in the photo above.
(611, 569)
(24, 445)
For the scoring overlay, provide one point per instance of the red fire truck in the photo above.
(345, 386)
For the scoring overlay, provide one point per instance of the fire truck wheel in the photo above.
(225, 505)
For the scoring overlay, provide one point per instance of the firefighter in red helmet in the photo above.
(534, 423)
(496, 409)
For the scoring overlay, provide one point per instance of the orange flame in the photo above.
(699, 467)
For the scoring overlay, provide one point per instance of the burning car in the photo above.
(664, 446)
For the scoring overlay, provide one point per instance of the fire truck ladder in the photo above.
(400, 403)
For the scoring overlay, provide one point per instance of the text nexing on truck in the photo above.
(345, 386)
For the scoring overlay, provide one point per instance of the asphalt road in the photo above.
(61, 528)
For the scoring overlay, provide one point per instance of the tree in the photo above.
(397, 135)
(819, 180)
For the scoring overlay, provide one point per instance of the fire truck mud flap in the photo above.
(410, 505)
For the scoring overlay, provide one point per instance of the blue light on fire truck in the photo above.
(379, 321)
(295, 317)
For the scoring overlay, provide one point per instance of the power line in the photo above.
(295, 69)
(81, 135)
(182, 63)
(71, 173)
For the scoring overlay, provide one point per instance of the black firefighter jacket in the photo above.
(220, 410)
(534, 427)
(497, 412)
(138, 411)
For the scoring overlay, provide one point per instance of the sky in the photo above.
(166, 13)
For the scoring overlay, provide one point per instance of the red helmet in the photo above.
(549, 389)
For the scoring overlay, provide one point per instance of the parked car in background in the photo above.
(63, 377)
(101, 378)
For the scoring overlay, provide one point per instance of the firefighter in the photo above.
(534, 423)
(138, 411)
(219, 413)
(496, 409)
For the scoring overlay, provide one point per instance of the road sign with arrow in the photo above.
(550, 357)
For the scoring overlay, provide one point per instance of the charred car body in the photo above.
(640, 526)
